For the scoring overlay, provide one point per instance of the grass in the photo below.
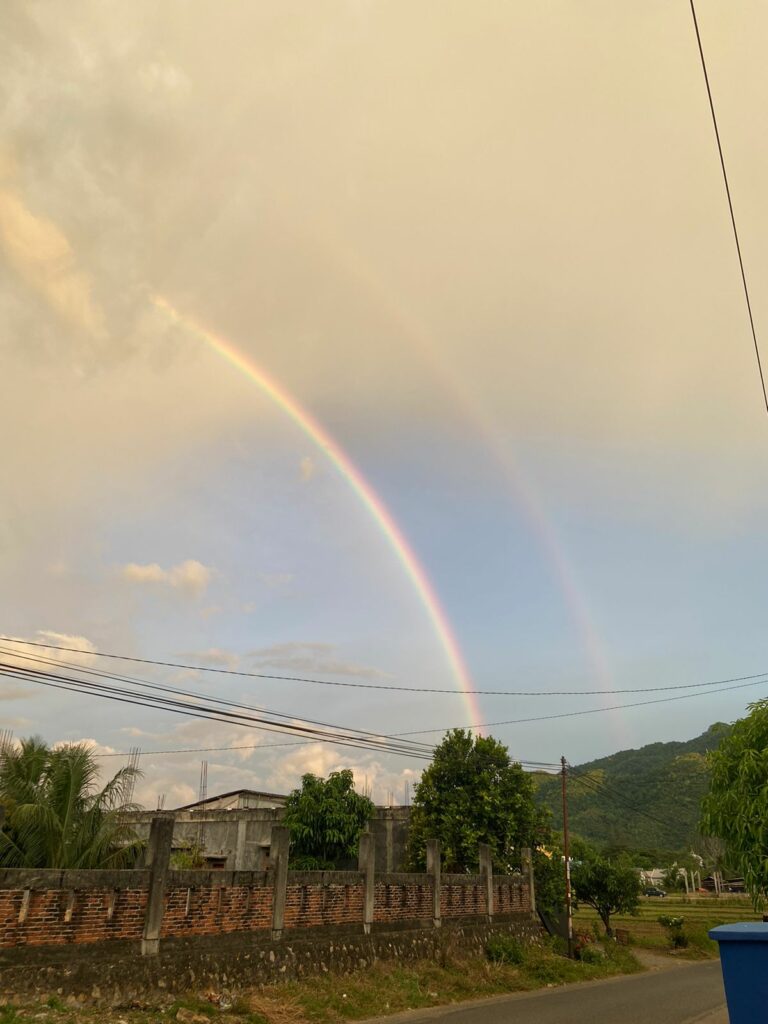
(389, 988)
(699, 913)
(384, 988)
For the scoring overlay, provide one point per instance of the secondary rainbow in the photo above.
(359, 485)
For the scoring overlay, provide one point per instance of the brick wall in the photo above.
(53, 908)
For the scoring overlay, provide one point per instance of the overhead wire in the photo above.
(199, 710)
(594, 711)
(452, 691)
(730, 201)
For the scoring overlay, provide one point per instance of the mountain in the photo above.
(646, 799)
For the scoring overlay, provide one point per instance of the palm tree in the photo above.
(55, 814)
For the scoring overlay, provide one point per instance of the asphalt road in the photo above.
(680, 995)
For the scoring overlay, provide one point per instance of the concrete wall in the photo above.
(115, 925)
(239, 840)
(54, 908)
(112, 975)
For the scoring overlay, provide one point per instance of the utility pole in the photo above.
(567, 858)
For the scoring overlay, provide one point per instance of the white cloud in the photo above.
(303, 656)
(9, 691)
(214, 657)
(42, 257)
(80, 650)
(190, 576)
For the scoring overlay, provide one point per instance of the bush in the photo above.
(674, 926)
(504, 949)
(592, 954)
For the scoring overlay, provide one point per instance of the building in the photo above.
(233, 830)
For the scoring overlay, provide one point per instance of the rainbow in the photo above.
(371, 501)
(358, 268)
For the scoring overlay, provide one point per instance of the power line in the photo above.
(377, 686)
(165, 688)
(384, 744)
(730, 202)
(377, 740)
(593, 711)
(202, 750)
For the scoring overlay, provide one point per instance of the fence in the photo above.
(52, 908)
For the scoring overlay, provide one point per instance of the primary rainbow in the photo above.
(364, 491)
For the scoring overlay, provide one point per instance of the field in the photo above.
(700, 914)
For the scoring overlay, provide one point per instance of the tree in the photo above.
(56, 816)
(473, 793)
(734, 809)
(325, 818)
(609, 886)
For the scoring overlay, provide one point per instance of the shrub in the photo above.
(592, 954)
(674, 926)
(504, 949)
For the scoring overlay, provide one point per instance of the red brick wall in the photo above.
(59, 915)
(212, 910)
(308, 906)
(45, 922)
(462, 900)
(402, 902)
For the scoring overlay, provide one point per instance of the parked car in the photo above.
(653, 890)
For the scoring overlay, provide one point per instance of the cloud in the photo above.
(301, 656)
(10, 692)
(191, 576)
(42, 257)
(81, 651)
(214, 657)
(307, 468)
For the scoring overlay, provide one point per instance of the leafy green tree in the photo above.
(473, 793)
(57, 816)
(609, 886)
(735, 809)
(549, 879)
(325, 818)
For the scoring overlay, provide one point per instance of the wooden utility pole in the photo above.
(567, 859)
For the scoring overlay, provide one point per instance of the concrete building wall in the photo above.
(239, 840)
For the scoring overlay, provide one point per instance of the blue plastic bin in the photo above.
(744, 961)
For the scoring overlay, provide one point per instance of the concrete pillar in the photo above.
(240, 847)
(433, 869)
(279, 857)
(157, 859)
(486, 871)
(366, 863)
(527, 859)
(390, 845)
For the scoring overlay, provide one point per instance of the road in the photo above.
(680, 995)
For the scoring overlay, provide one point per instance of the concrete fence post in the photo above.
(528, 876)
(279, 856)
(241, 845)
(433, 869)
(486, 872)
(157, 859)
(366, 863)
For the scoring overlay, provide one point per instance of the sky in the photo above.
(311, 310)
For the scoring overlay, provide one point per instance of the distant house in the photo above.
(233, 830)
(237, 800)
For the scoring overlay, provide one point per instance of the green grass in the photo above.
(700, 914)
(389, 988)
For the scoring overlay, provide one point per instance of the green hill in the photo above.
(646, 799)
